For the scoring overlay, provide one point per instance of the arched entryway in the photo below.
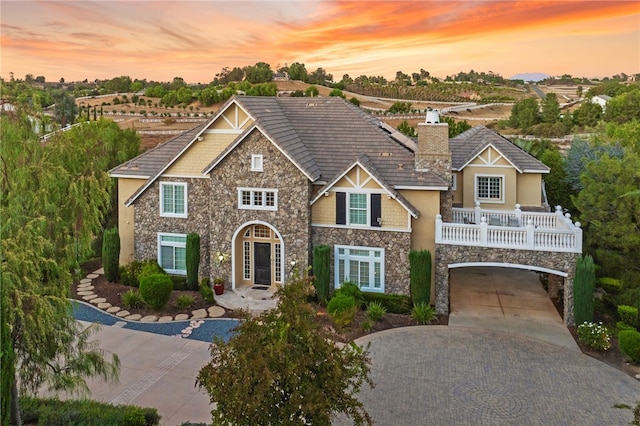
(257, 256)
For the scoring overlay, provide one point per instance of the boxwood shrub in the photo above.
(342, 309)
(610, 285)
(628, 314)
(394, 303)
(348, 288)
(155, 290)
(629, 341)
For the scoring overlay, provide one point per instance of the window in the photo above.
(489, 189)
(173, 199)
(454, 181)
(261, 231)
(257, 199)
(358, 209)
(246, 255)
(256, 163)
(172, 253)
(278, 262)
(361, 265)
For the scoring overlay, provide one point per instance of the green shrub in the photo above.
(184, 301)
(629, 342)
(53, 412)
(132, 299)
(150, 267)
(375, 311)
(130, 272)
(367, 325)
(348, 288)
(583, 289)
(322, 272)
(111, 254)
(193, 259)
(420, 276)
(628, 314)
(342, 309)
(206, 291)
(394, 303)
(423, 313)
(594, 335)
(179, 282)
(155, 290)
(621, 325)
(629, 296)
(610, 285)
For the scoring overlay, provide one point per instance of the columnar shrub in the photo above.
(583, 287)
(156, 290)
(628, 314)
(420, 276)
(594, 335)
(342, 309)
(193, 260)
(629, 342)
(322, 271)
(111, 254)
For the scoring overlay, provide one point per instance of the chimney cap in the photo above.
(432, 117)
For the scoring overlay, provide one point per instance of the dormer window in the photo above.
(256, 162)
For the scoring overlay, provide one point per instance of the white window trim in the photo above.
(371, 258)
(454, 181)
(489, 200)
(165, 214)
(252, 206)
(171, 244)
(257, 163)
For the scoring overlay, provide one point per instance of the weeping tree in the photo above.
(420, 276)
(193, 260)
(584, 285)
(53, 197)
(322, 271)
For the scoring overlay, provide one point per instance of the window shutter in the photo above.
(376, 210)
(341, 208)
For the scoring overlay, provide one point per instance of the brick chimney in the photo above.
(433, 155)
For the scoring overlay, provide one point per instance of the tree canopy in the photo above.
(283, 368)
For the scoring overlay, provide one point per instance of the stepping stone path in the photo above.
(85, 289)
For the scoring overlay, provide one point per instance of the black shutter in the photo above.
(376, 210)
(341, 208)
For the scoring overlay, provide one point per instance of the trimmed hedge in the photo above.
(610, 285)
(629, 342)
(193, 260)
(628, 314)
(53, 412)
(155, 290)
(322, 272)
(179, 282)
(394, 303)
(111, 254)
(420, 276)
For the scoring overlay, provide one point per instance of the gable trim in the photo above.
(490, 145)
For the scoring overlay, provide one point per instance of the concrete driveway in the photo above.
(512, 301)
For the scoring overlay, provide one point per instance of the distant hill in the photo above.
(530, 76)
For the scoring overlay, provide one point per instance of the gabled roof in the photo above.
(468, 145)
(365, 163)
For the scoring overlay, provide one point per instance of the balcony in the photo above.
(511, 229)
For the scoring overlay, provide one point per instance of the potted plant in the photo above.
(218, 286)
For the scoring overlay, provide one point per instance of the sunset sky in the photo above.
(79, 40)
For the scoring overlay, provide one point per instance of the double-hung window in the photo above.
(363, 266)
(257, 199)
(173, 199)
(172, 253)
(358, 209)
(489, 189)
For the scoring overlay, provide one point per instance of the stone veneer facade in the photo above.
(291, 219)
(449, 254)
(396, 253)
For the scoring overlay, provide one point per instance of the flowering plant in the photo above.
(594, 335)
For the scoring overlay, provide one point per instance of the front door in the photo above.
(262, 263)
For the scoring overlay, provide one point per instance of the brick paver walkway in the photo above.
(438, 375)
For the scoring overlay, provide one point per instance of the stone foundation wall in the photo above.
(396, 254)
(148, 222)
(558, 261)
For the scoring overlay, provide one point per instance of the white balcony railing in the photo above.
(511, 229)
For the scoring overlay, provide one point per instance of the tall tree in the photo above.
(550, 108)
(297, 71)
(261, 72)
(53, 198)
(282, 368)
(524, 114)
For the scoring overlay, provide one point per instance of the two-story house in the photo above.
(266, 179)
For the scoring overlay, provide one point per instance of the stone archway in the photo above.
(561, 264)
